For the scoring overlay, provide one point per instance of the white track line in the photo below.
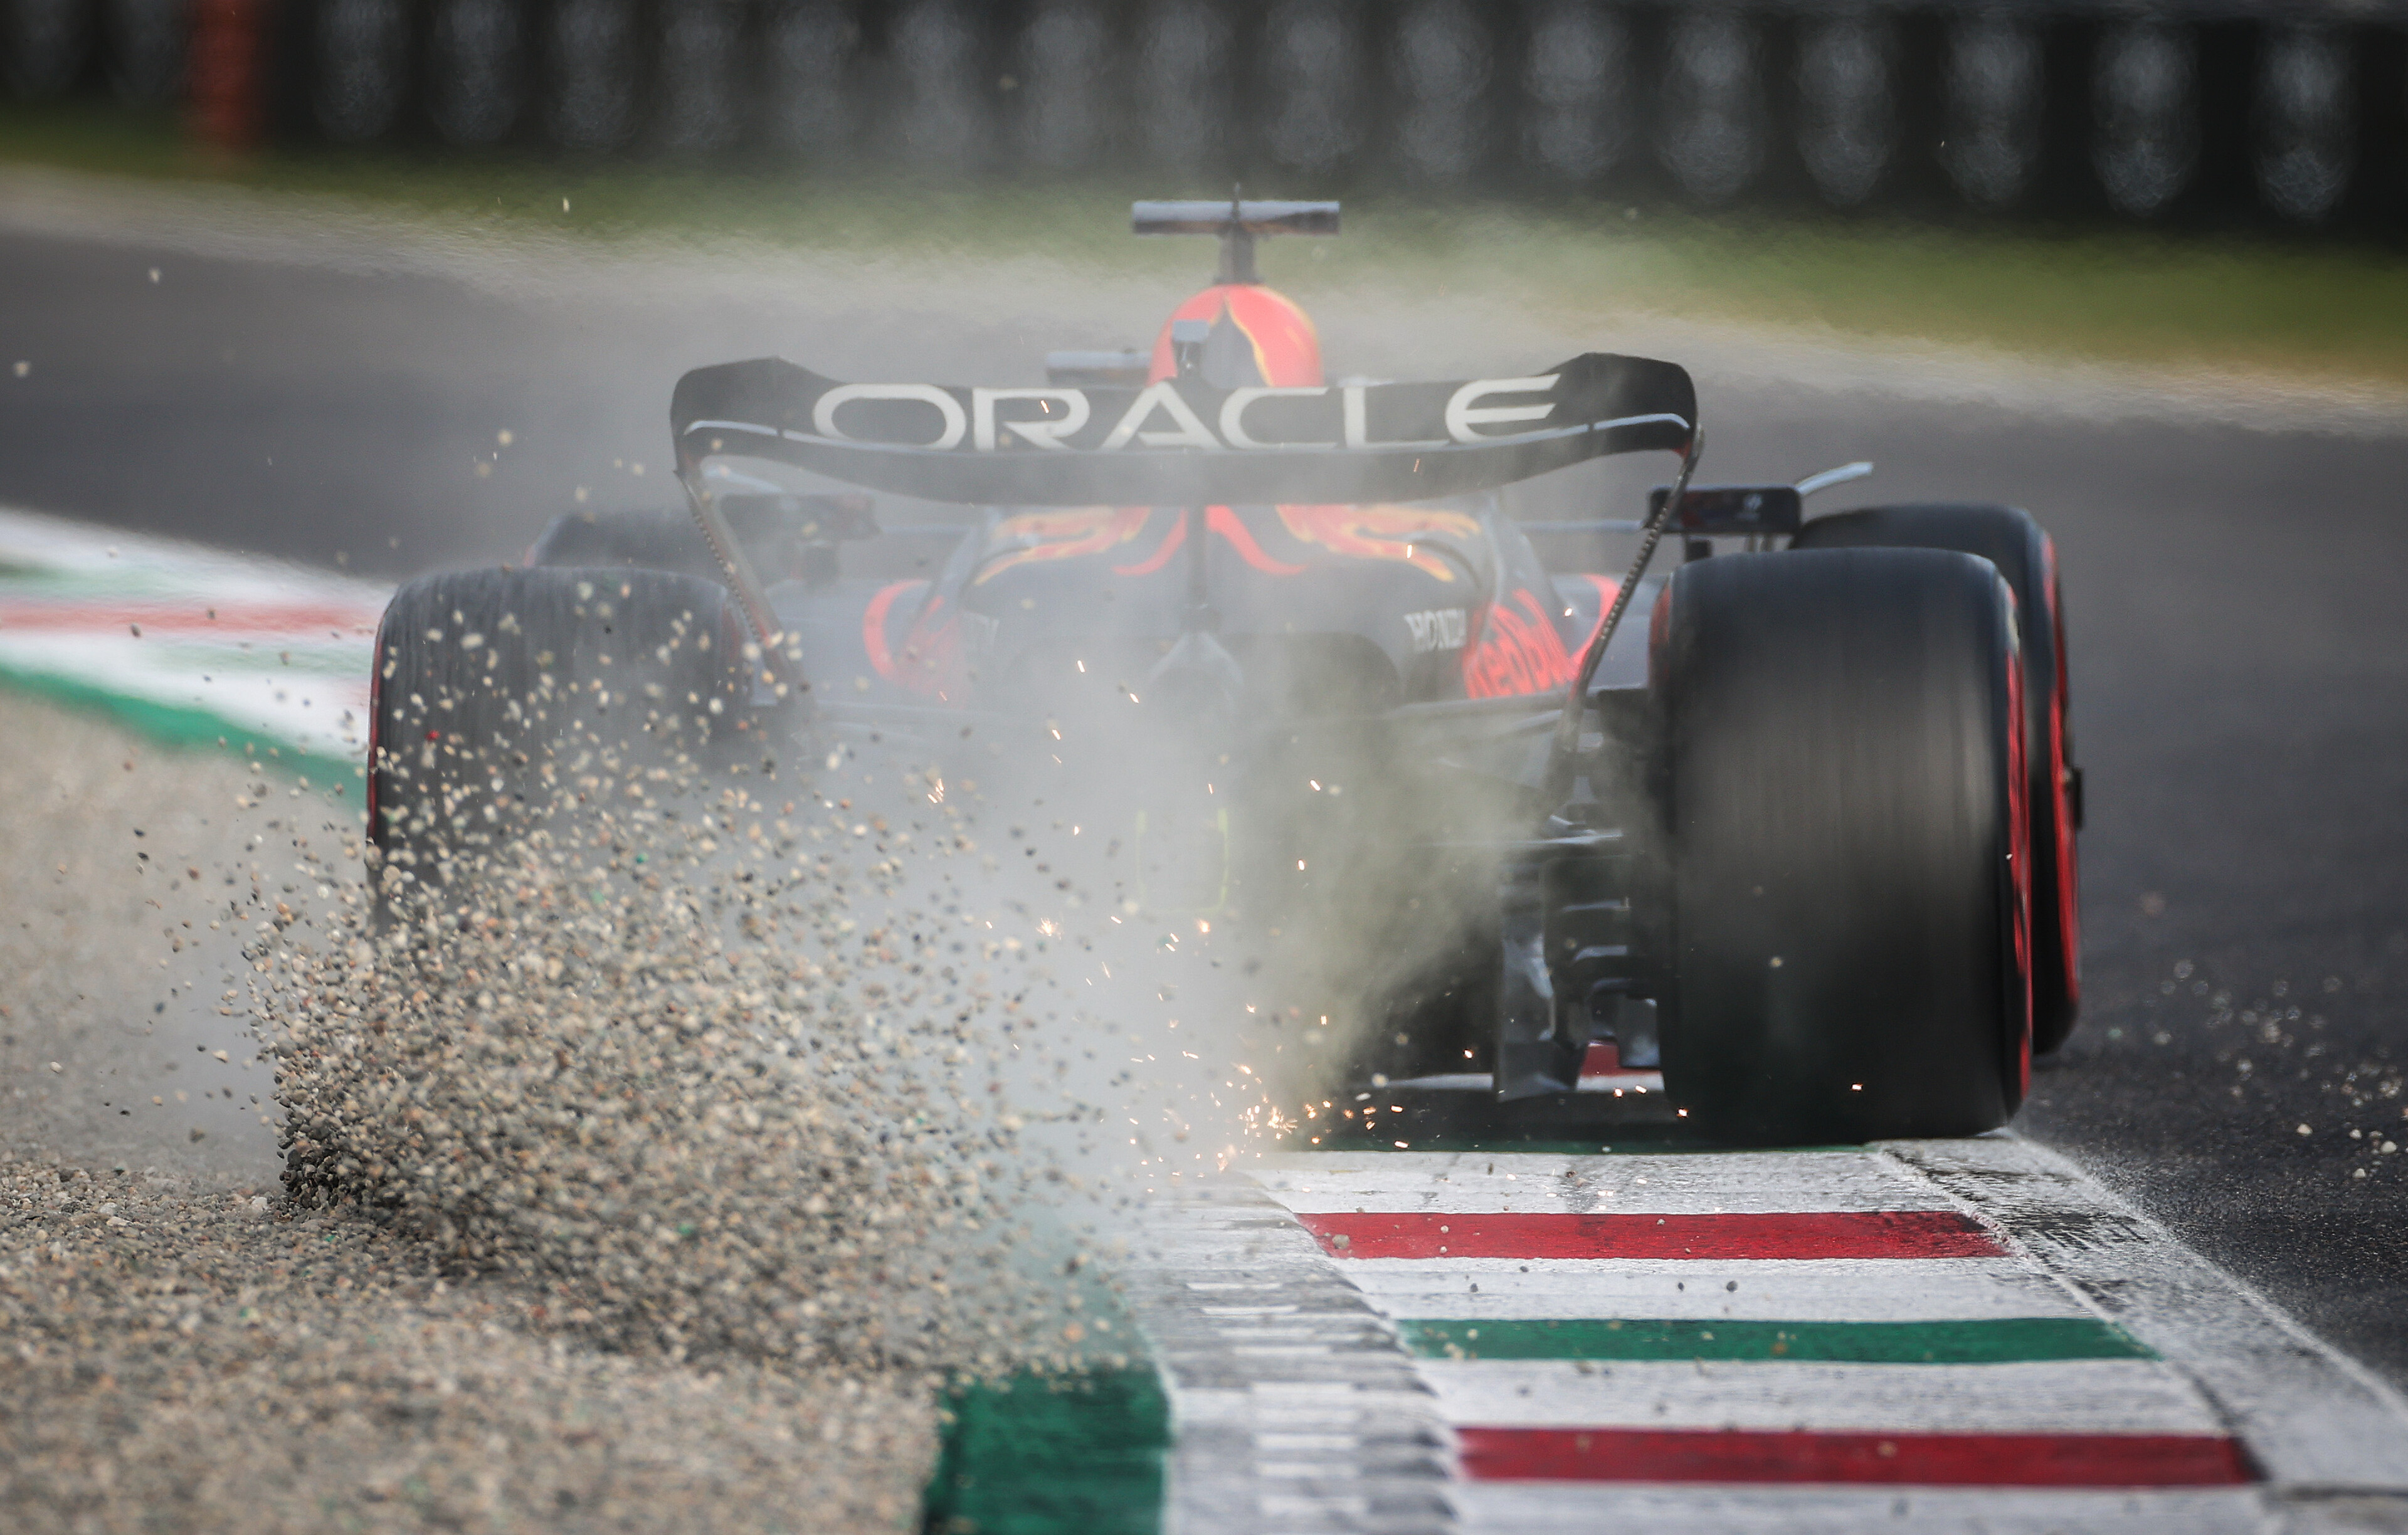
(1294, 1409)
(2315, 1419)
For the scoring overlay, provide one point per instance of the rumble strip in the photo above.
(1963, 1334)
(189, 643)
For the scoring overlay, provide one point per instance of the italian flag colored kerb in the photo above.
(1814, 1319)
(189, 643)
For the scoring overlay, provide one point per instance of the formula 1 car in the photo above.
(1795, 819)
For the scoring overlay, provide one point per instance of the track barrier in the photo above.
(2291, 114)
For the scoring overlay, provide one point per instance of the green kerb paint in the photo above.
(2002, 1340)
(189, 729)
(1051, 1456)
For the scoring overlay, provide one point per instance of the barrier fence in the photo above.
(2293, 113)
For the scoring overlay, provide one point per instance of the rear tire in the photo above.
(1850, 945)
(505, 698)
(2008, 537)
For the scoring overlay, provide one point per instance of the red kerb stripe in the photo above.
(1938, 1460)
(195, 614)
(1830, 1233)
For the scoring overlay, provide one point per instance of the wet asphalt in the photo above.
(2239, 626)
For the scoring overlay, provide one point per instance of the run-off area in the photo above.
(1949, 1335)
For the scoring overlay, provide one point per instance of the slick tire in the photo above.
(1849, 957)
(506, 700)
(2009, 539)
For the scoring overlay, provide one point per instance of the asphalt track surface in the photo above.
(2240, 645)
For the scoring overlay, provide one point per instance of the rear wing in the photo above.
(1182, 442)
(1238, 223)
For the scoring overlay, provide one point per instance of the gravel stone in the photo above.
(185, 1346)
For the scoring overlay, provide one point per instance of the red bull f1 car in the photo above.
(1795, 820)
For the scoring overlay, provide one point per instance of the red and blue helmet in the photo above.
(1258, 336)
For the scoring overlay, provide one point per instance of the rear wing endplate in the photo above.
(1182, 442)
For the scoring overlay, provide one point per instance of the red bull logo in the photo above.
(1520, 650)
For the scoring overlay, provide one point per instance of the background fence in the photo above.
(2292, 114)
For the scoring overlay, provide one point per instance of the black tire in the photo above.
(2008, 537)
(1849, 952)
(664, 540)
(499, 693)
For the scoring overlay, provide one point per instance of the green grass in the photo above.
(2333, 311)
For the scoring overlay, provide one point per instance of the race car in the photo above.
(1794, 820)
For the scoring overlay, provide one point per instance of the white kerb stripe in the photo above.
(2074, 1396)
(1736, 1182)
(1541, 1508)
(1777, 1290)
